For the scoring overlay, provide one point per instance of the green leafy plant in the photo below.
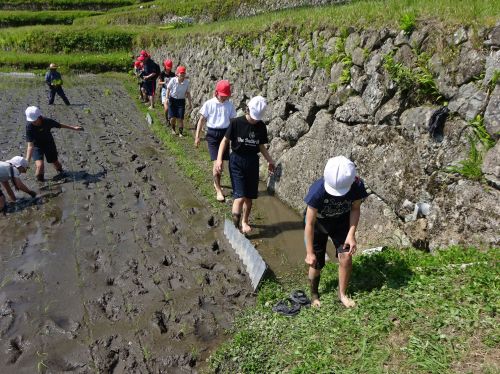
(471, 167)
(407, 23)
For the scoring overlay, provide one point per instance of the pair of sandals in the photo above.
(292, 305)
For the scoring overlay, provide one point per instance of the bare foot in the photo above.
(315, 303)
(348, 303)
(245, 228)
(220, 196)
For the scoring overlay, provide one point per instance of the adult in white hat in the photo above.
(10, 171)
(54, 81)
(333, 210)
(247, 135)
(41, 142)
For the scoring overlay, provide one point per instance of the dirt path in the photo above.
(118, 268)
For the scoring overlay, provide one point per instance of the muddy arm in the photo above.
(9, 191)
(22, 187)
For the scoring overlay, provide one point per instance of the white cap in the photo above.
(339, 175)
(18, 161)
(32, 113)
(256, 107)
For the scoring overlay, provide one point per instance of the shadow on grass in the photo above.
(373, 272)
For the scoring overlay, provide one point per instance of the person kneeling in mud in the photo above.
(248, 136)
(10, 171)
(41, 142)
(333, 210)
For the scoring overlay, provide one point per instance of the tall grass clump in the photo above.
(92, 63)
(26, 18)
(54, 39)
(64, 4)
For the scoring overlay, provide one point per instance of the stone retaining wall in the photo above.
(331, 93)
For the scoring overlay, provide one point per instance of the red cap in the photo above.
(168, 64)
(223, 88)
(144, 53)
(140, 58)
(180, 70)
(137, 64)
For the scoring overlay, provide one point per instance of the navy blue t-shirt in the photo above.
(41, 135)
(334, 207)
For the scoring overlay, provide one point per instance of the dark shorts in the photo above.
(337, 230)
(176, 108)
(149, 87)
(244, 171)
(49, 151)
(214, 138)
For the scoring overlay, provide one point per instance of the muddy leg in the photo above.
(345, 269)
(39, 170)
(217, 186)
(3, 205)
(172, 124)
(314, 277)
(57, 165)
(247, 207)
(236, 211)
(181, 127)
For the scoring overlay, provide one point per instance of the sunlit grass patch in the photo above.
(415, 313)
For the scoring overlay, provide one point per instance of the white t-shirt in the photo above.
(218, 114)
(178, 90)
(5, 171)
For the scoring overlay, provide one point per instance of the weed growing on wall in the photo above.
(418, 83)
(480, 141)
(408, 23)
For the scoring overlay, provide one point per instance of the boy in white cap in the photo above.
(41, 142)
(10, 171)
(248, 136)
(333, 210)
(216, 114)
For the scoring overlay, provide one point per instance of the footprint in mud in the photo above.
(212, 222)
(133, 157)
(7, 317)
(61, 325)
(192, 211)
(161, 319)
(176, 280)
(167, 261)
(140, 168)
(15, 349)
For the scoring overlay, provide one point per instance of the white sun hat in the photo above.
(32, 113)
(339, 175)
(256, 107)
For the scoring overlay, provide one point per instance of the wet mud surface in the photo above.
(118, 267)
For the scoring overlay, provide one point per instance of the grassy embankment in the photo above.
(16, 18)
(64, 4)
(357, 14)
(416, 313)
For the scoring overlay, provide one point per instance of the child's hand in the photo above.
(310, 259)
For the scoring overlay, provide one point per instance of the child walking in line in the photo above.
(177, 92)
(333, 210)
(165, 77)
(216, 114)
(247, 136)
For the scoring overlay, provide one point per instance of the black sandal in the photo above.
(287, 308)
(300, 297)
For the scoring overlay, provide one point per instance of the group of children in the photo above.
(174, 88)
(333, 201)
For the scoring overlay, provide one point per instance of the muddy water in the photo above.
(118, 267)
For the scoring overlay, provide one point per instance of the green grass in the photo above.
(416, 313)
(92, 63)
(64, 4)
(16, 18)
(66, 39)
